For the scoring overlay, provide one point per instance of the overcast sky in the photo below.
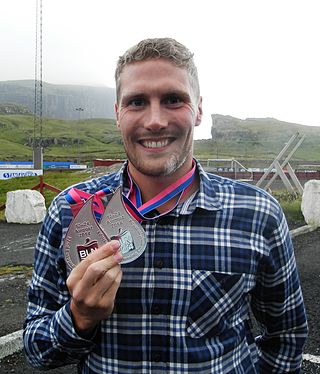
(256, 58)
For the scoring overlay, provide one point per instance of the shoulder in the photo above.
(237, 188)
(237, 194)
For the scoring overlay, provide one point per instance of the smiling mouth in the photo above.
(153, 144)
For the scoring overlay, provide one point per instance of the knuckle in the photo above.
(110, 276)
(78, 296)
(88, 261)
(118, 279)
(69, 284)
(96, 270)
(91, 303)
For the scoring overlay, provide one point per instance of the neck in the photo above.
(150, 186)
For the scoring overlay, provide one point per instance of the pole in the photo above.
(79, 110)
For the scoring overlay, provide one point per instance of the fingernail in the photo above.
(118, 257)
(115, 245)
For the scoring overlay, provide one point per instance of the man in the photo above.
(215, 250)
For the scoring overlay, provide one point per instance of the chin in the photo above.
(158, 168)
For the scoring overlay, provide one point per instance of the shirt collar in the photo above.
(206, 198)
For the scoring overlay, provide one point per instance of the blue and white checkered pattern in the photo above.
(184, 305)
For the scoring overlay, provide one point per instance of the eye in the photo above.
(172, 100)
(137, 102)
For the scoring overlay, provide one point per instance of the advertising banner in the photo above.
(18, 173)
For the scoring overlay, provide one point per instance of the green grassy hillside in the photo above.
(256, 138)
(63, 139)
(85, 140)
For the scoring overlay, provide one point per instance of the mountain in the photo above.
(257, 138)
(61, 101)
(255, 130)
(254, 141)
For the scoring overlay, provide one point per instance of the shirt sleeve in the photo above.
(277, 304)
(50, 339)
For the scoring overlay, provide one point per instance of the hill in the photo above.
(67, 140)
(61, 101)
(253, 138)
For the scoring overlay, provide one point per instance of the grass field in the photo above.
(60, 180)
(88, 139)
(290, 202)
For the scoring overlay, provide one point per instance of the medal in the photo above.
(118, 224)
(94, 225)
(84, 236)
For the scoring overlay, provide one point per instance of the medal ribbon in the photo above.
(180, 188)
(76, 198)
(133, 200)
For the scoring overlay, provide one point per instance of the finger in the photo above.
(94, 297)
(107, 281)
(97, 270)
(110, 295)
(104, 251)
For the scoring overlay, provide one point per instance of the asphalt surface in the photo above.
(17, 246)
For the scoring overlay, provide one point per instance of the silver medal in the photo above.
(84, 236)
(118, 224)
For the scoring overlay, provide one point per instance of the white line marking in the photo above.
(312, 358)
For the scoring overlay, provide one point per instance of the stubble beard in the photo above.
(167, 168)
(160, 168)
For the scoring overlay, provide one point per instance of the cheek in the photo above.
(125, 127)
(128, 116)
(183, 117)
(123, 120)
(120, 115)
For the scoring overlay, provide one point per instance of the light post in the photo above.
(79, 110)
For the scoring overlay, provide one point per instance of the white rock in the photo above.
(310, 204)
(25, 206)
(11, 343)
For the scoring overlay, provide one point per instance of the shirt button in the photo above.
(156, 309)
(157, 357)
(159, 264)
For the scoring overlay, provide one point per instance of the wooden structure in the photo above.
(106, 162)
(281, 167)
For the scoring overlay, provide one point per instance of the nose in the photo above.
(156, 118)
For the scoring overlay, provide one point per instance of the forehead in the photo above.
(153, 74)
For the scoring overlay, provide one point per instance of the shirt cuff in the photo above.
(64, 335)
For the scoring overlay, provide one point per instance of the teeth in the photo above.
(155, 144)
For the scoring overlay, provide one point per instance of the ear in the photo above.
(116, 110)
(199, 112)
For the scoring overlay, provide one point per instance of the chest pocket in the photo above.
(216, 301)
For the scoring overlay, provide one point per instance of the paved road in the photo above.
(16, 247)
(17, 243)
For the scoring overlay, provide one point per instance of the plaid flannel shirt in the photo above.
(184, 306)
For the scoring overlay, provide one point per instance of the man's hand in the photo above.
(93, 285)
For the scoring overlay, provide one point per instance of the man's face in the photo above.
(156, 114)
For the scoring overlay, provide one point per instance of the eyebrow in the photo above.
(132, 95)
(138, 94)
